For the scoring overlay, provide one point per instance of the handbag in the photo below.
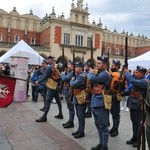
(107, 100)
(50, 83)
(81, 97)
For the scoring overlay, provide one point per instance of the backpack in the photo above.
(116, 83)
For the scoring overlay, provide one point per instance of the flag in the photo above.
(7, 87)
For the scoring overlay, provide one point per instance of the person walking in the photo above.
(35, 88)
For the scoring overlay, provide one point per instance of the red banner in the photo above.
(7, 87)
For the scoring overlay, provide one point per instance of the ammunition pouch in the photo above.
(50, 83)
(107, 100)
(81, 97)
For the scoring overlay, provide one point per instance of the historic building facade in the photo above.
(51, 34)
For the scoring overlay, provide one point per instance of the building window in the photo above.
(89, 42)
(1, 36)
(16, 39)
(83, 19)
(76, 19)
(66, 38)
(33, 41)
(79, 40)
(117, 51)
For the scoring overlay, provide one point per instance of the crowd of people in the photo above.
(85, 102)
(84, 87)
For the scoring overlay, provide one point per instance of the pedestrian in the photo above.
(52, 78)
(115, 109)
(137, 95)
(35, 88)
(66, 77)
(42, 86)
(78, 84)
(100, 79)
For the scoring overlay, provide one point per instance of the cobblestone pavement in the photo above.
(19, 131)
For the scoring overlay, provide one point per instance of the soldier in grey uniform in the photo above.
(78, 84)
(100, 80)
(137, 94)
(66, 77)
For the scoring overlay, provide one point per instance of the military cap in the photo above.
(89, 64)
(70, 62)
(79, 64)
(45, 61)
(116, 62)
(103, 59)
(141, 69)
(50, 57)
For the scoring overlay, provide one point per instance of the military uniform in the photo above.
(115, 109)
(89, 94)
(137, 93)
(100, 82)
(78, 85)
(50, 94)
(147, 101)
(66, 77)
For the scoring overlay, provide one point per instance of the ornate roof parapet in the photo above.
(131, 34)
(100, 25)
(93, 23)
(72, 5)
(86, 8)
(31, 12)
(80, 4)
(53, 14)
(14, 12)
(123, 32)
(62, 16)
(115, 31)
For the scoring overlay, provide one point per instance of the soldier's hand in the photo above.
(126, 70)
(36, 82)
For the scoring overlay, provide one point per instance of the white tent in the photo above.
(142, 60)
(34, 57)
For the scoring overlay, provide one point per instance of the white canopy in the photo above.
(34, 57)
(142, 60)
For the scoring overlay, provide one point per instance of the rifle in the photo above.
(108, 61)
(69, 96)
(142, 139)
(122, 83)
(126, 51)
(92, 60)
(63, 57)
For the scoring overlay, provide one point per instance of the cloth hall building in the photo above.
(51, 34)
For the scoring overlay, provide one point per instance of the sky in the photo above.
(132, 16)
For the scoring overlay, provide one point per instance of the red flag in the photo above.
(7, 87)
